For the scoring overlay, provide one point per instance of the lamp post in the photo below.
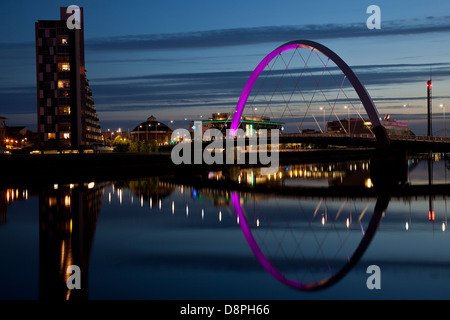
(348, 118)
(407, 112)
(323, 109)
(443, 111)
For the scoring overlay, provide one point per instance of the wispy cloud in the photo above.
(267, 34)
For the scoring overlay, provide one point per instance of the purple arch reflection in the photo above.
(363, 95)
(380, 207)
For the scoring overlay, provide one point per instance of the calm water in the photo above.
(155, 239)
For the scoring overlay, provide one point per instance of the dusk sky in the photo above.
(178, 59)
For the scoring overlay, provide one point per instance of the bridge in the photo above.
(408, 143)
(302, 81)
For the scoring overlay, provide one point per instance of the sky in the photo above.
(182, 59)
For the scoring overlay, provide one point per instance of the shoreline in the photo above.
(85, 167)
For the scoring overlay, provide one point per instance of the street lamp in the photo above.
(443, 111)
(407, 112)
(348, 118)
(323, 109)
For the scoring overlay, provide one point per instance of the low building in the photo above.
(222, 122)
(361, 126)
(152, 129)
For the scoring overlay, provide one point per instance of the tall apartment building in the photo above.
(67, 117)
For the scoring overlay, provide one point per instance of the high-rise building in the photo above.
(67, 117)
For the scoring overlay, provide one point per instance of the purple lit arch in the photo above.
(380, 207)
(363, 95)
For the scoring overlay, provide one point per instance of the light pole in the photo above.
(443, 111)
(348, 118)
(407, 112)
(323, 109)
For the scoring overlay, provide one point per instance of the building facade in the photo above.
(2, 134)
(66, 113)
(152, 129)
(222, 122)
(361, 126)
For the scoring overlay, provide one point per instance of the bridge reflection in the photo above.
(306, 237)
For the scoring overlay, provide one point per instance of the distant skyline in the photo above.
(183, 59)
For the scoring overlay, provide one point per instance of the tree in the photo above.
(121, 144)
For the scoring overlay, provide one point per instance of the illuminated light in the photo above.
(70, 226)
(347, 223)
(367, 123)
(220, 216)
(109, 197)
(368, 183)
(323, 220)
(71, 186)
(406, 226)
(55, 186)
(237, 220)
(257, 222)
(203, 214)
(150, 203)
(91, 185)
(159, 204)
(142, 201)
(173, 207)
(67, 201)
(431, 215)
(187, 210)
(443, 226)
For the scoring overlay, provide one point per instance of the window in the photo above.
(66, 135)
(64, 93)
(63, 66)
(63, 84)
(64, 110)
(63, 40)
(51, 136)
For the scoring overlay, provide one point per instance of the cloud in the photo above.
(267, 34)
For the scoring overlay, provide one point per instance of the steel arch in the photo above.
(366, 100)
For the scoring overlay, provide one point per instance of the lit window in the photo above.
(52, 136)
(63, 66)
(67, 201)
(66, 135)
(64, 110)
(63, 84)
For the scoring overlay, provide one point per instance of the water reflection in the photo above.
(287, 255)
(301, 175)
(67, 222)
(308, 239)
